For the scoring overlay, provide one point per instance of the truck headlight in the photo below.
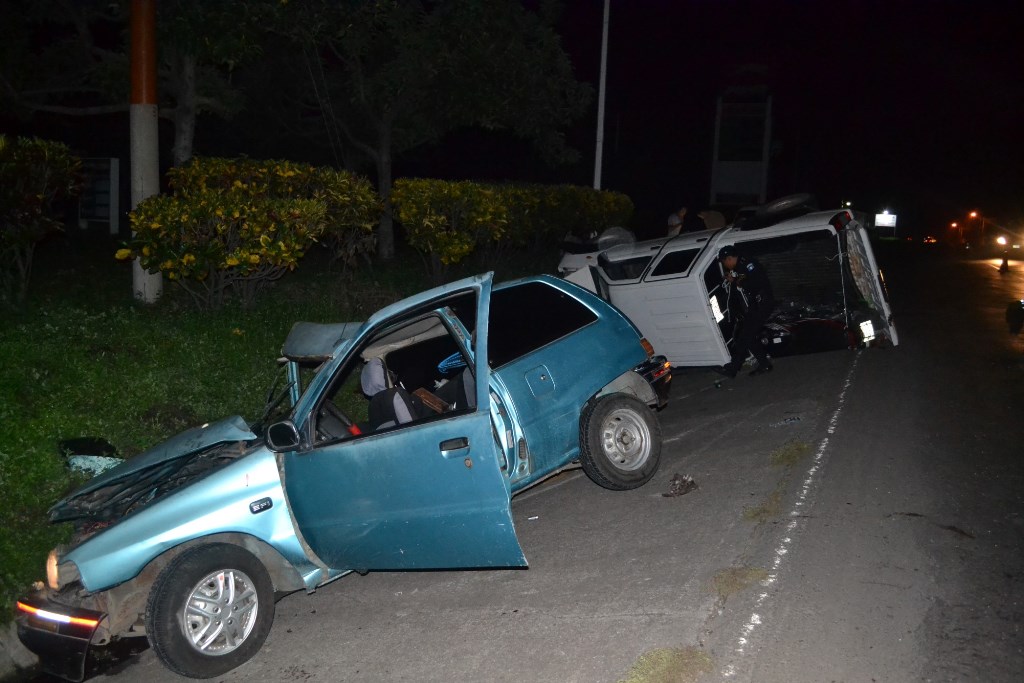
(867, 331)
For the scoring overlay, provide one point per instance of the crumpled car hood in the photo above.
(186, 443)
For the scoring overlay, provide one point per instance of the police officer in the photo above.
(750, 276)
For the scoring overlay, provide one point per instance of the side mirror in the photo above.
(283, 437)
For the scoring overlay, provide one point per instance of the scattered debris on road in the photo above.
(680, 485)
(944, 527)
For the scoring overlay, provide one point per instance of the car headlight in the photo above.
(60, 574)
(52, 577)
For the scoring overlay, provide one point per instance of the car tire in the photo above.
(190, 595)
(620, 442)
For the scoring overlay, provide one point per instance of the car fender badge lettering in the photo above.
(258, 506)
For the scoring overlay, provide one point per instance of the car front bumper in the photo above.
(658, 373)
(58, 634)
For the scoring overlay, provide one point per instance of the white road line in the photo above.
(757, 618)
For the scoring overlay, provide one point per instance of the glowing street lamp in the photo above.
(977, 214)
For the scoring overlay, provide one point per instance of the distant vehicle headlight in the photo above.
(1001, 240)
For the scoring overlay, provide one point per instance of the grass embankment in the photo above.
(83, 359)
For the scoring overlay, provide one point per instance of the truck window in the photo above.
(675, 263)
(628, 269)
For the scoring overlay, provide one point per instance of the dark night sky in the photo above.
(912, 105)
(917, 106)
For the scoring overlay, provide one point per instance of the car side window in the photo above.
(404, 375)
(528, 316)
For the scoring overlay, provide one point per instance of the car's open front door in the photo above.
(423, 495)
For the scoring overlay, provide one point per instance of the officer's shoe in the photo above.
(728, 370)
(762, 369)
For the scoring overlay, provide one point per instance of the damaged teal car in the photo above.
(393, 444)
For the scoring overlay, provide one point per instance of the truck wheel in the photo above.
(210, 610)
(620, 442)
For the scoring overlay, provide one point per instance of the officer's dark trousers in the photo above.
(748, 337)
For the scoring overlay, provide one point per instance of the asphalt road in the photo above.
(859, 517)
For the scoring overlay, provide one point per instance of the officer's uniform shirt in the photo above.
(755, 281)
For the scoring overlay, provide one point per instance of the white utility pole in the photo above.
(600, 99)
(145, 147)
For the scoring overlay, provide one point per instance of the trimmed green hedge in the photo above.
(233, 226)
(446, 221)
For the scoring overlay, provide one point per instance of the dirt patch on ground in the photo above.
(785, 456)
(770, 508)
(728, 582)
(790, 454)
(669, 665)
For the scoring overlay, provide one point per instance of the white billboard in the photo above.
(885, 220)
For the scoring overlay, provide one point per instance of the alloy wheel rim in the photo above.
(220, 612)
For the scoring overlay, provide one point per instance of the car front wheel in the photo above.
(620, 442)
(210, 610)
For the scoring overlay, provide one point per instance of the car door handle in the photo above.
(453, 447)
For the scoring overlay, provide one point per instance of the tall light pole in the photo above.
(981, 230)
(599, 152)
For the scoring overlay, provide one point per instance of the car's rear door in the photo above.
(551, 353)
(425, 495)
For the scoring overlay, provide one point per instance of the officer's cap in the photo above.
(727, 251)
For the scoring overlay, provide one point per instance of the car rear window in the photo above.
(627, 269)
(528, 316)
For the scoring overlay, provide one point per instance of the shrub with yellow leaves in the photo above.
(233, 226)
(445, 221)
